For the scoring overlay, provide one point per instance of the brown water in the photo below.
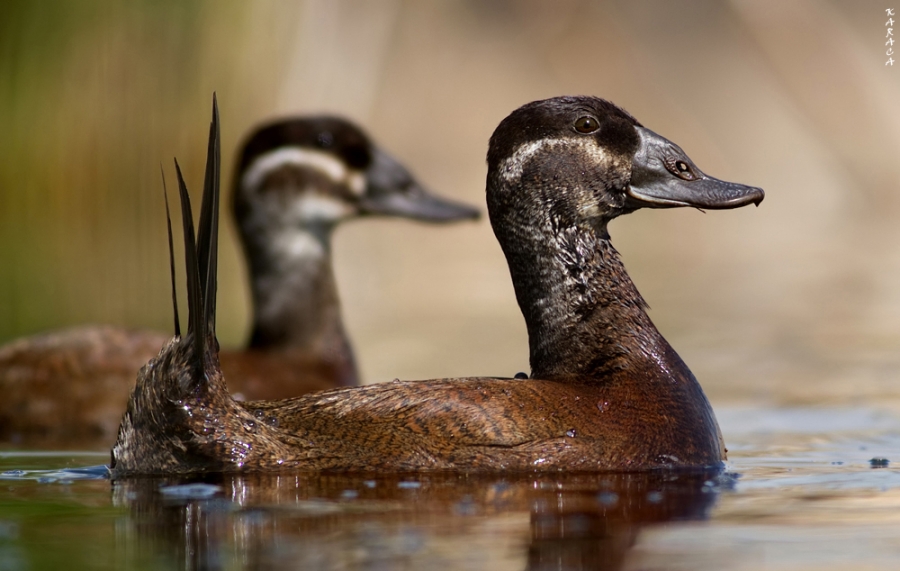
(804, 488)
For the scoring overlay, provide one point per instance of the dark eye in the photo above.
(586, 124)
(681, 169)
(325, 139)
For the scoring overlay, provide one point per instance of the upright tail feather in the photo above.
(180, 389)
(171, 255)
(201, 252)
(208, 232)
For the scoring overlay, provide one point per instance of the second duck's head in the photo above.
(584, 161)
(308, 174)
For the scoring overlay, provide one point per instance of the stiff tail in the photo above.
(200, 251)
(171, 255)
(157, 419)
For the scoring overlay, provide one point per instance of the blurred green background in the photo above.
(794, 302)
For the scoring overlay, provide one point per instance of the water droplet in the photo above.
(259, 414)
(879, 462)
(603, 405)
(571, 433)
(273, 421)
(521, 375)
(249, 425)
(190, 491)
(409, 485)
(349, 494)
(655, 497)
(608, 499)
(466, 506)
(369, 483)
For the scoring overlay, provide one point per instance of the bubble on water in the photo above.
(879, 462)
(608, 499)
(466, 506)
(190, 491)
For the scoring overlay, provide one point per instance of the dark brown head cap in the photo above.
(556, 118)
(335, 159)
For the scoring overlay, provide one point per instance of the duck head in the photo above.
(586, 160)
(296, 180)
(558, 171)
(312, 173)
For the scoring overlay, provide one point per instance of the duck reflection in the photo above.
(415, 521)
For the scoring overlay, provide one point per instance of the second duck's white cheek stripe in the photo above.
(312, 207)
(356, 182)
(265, 164)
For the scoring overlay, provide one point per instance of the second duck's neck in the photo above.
(585, 317)
(295, 297)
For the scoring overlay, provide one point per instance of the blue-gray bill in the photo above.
(392, 191)
(663, 176)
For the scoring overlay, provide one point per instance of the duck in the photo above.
(295, 180)
(606, 391)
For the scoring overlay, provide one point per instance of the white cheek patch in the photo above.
(511, 168)
(313, 207)
(356, 182)
(270, 162)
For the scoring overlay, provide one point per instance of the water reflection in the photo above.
(341, 521)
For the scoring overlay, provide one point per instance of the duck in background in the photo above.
(295, 181)
(607, 392)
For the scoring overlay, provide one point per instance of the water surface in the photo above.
(805, 488)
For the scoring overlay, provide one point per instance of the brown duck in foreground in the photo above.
(295, 181)
(607, 392)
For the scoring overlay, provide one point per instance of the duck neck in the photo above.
(295, 298)
(585, 318)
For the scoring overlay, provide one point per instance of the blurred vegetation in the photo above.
(95, 96)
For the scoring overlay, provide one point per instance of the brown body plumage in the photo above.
(607, 391)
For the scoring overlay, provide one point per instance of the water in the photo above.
(801, 491)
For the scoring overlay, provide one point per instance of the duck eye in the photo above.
(586, 124)
(325, 140)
